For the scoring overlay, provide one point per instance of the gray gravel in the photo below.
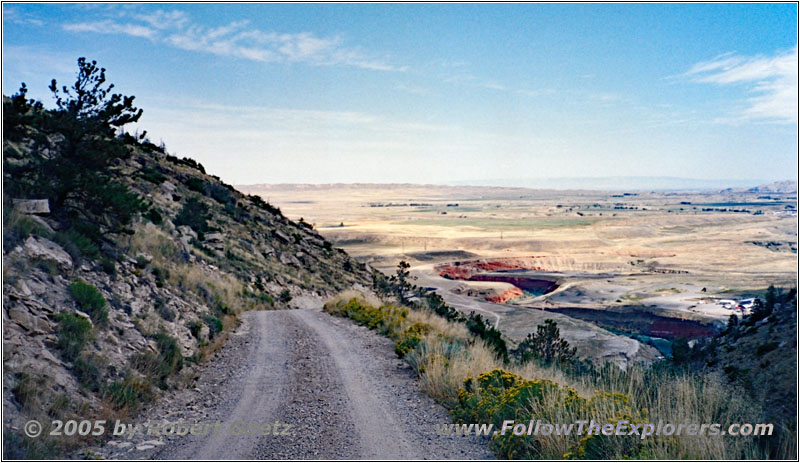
(340, 388)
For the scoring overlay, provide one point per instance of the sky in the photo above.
(437, 93)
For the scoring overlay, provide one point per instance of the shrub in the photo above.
(160, 367)
(410, 338)
(447, 356)
(78, 245)
(17, 227)
(161, 276)
(261, 204)
(109, 266)
(27, 389)
(386, 319)
(154, 216)
(129, 394)
(220, 193)
(73, 334)
(141, 262)
(152, 175)
(493, 337)
(167, 313)
(498, 395)
(196, 184)
(733, 373)
(186, 162)
(285, 296)
(765, 348)
(87, 371)
(194, 214)
(89, 300)
(194, 328)
(221, 307)
(214, 325)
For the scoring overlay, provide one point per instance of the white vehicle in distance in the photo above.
(746, 305)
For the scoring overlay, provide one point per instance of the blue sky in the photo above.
(428, 93)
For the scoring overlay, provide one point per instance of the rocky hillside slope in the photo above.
(103, 309)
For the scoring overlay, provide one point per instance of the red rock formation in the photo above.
(507, 295)
(463, 270)
(534, 285)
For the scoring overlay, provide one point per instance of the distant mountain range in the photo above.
(635, 183)
(786, 186)
(615, 184)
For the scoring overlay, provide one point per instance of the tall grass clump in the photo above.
(89, 300)
(73, 333)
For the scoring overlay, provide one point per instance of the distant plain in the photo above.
(670, 254)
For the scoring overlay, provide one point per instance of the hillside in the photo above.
(786, 186)
(778, 187)
(124, 266)
(762, 357)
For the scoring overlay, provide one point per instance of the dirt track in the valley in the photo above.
(339, 387)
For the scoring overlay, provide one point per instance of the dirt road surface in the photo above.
(336, 389)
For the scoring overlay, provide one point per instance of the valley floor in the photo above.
(339, 386)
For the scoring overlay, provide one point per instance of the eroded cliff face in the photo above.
(92, 328)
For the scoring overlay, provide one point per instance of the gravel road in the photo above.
(337, 390)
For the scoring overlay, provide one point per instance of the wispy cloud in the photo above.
(462, 78)
(161, 19)
(111, 27)
(771, 79)
(15, 16)
(236, 39)
(414, 90)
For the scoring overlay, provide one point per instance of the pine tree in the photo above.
(71, 151)
(546, 345)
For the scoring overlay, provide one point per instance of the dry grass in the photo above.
(211, 286)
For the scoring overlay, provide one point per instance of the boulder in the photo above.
(186, 230)
(42, 223)
(19, 290)
(215, 241)
(21, 315)
(168, 188)
(214, 237)
(46, 355)
(44, 249)
(27, 320)
(32, 206)
(282, 236)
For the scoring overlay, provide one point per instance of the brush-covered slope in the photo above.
(123, 266)
(761, 354)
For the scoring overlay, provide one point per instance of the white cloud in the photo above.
(161, 19)
(111, 27)
(236, 39)
(15, 16)
(772, 80)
